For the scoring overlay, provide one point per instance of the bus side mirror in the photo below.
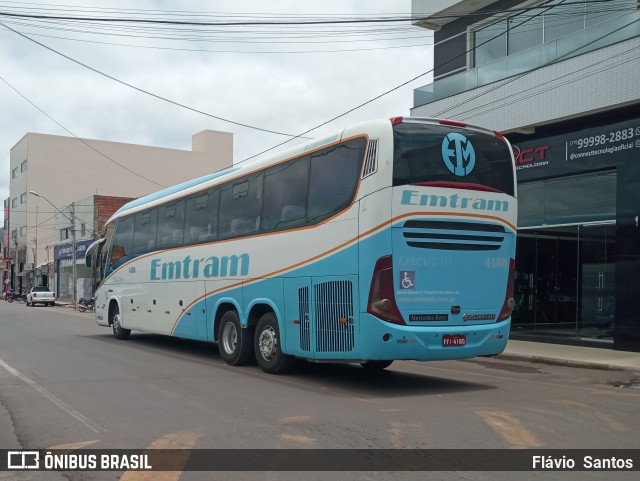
(87, 261)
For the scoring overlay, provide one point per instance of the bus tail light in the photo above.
(396, 120)
(382, 298)
(509, 301)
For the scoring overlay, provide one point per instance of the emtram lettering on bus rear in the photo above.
(413, 197)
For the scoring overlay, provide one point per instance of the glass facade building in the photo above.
(559, 79)
(574, 207)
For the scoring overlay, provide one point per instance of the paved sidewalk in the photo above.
(576, 356)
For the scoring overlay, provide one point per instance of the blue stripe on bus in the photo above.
(409, 342)
(173, 189)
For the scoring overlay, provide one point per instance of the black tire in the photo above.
(82, 307)
(28, 303)
(267, 346)
(10, 300)
(234, 342)
(119, 332)
(376, 365)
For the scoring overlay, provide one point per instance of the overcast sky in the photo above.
(246, 74)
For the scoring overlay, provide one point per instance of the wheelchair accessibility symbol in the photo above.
(407, 279)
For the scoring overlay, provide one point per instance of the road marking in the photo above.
(184, 440)
(295, 419)
(298, 439)
(591, 412)
(96, 428)
(69, 448)
(397, 433)
(509, 428)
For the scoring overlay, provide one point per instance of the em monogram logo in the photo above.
(457, 146)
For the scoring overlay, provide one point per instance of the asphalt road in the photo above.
(66, 383)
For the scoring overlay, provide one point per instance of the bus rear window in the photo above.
(446, 155)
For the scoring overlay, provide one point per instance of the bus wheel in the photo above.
(234, 342)
(268, 347)
(119, 332)
(376, 365)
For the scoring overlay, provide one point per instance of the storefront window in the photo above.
(568, 200)
(565, 283)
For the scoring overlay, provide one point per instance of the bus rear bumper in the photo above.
(382, 340)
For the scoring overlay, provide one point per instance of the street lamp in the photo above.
(73, 233)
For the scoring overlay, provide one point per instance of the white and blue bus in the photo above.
(393, 239)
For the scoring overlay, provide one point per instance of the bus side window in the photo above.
(240, 206)
(144, 233)
(335, 173)
(285, 195)
(122, 247)
(201, 217)
(170, 229)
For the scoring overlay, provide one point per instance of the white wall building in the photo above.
(65, 169)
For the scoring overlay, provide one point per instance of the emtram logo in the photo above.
(457, 148)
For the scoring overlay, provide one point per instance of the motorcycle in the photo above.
(84, 304)
(16, 296)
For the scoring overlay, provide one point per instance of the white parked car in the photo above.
(42, 295)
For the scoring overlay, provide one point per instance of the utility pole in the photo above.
(71, 219)
(73, 233)
(35, 253)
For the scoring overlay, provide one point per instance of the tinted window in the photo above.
(144, 236)
(202, 217)
(240, 206)
(170, 229)
(335, 173)
(438, 153)
(285, 195)
(122, 247)
(568, 200)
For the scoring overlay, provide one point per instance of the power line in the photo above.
(81, 140)
(521, 75)
(398, 86)
(304, 21)
(551, 86)
(143, 90)
(279, 52)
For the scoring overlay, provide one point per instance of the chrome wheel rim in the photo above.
(268, 343)
(229, 338)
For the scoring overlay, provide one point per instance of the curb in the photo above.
(563, 362)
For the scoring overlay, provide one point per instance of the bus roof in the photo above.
(151, 200)
(155, 198)
(146, 199)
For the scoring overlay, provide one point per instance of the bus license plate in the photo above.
(449, 340)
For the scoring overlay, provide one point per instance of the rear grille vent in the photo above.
(370, 158)
(334, 316)
(303, 309)
(454, 236)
